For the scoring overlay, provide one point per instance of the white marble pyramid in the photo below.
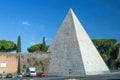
(73, 52)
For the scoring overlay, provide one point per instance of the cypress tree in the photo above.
(43, 46)
(18, 45)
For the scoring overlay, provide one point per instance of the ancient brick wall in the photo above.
(39, 60)
(11, 62)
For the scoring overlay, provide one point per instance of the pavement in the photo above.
(110, 76)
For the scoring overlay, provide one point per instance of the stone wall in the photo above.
(38, 60)
(13, 62)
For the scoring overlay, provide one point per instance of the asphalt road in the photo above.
(112, 76)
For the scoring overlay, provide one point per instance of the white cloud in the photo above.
(26, 23)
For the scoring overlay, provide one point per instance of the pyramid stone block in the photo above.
(73, 53)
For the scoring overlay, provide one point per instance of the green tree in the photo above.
(47, 46)
(118, 62)
(33, 48)
(7, 46)
(43, 46)
(39, 47)
(107, 48)
(18, 45)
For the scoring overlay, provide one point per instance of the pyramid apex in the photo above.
(70, 10)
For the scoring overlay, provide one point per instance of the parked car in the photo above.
(41, 74)
(9, 75)
(1, 75)
(19, 75)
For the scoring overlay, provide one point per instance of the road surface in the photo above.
(111, 76)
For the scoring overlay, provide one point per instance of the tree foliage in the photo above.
(43, 45)
(33, 48)
(7, 46)
(18, 48)
(38, 47)
(107, 48)
(118, 62)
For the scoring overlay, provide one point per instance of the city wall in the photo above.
(14, 62)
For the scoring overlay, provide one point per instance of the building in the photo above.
(8, 63)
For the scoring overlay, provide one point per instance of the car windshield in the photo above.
(9, 74)
(19, 73)
(32, 71)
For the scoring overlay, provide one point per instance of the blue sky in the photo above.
(33, 19)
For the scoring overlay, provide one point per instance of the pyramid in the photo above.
(73, 53)
(118, 56)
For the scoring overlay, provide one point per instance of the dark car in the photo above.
(1, 75)
(41, 74)
(9, 75)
